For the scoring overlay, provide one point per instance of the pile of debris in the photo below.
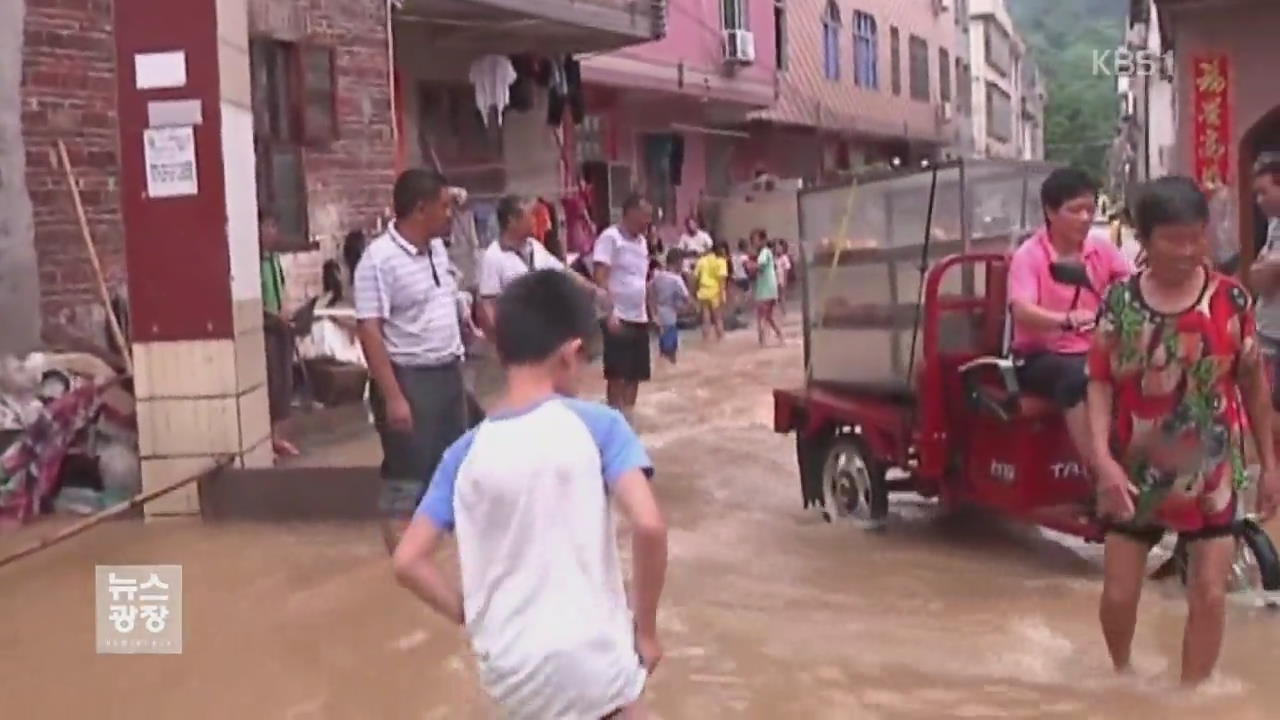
(68, 436)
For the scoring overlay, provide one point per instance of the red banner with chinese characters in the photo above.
(1211, 110)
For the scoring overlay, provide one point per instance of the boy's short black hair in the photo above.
(1172, 200)
(1066, 184)
(674, 258)
(538, 313)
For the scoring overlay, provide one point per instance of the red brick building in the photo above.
(68, 93)
(325, 151)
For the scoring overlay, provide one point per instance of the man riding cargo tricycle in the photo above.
(911, 379)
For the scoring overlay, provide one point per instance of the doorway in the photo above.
(1263, 136)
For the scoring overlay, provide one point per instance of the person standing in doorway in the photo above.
(277, 335)
(411, 331)
(621, 261)
(766, 287)
(1264, 276)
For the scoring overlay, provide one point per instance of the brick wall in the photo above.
(69, 93)
(348, 183)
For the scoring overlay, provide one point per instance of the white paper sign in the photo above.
(170, 155)
(153, 71)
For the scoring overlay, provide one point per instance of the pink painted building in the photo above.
(862, 82)
(658, 113)
(1244, 32)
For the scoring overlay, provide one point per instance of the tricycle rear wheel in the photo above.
(1256, 567)
(853, 485)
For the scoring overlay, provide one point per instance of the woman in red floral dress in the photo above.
(1175, 384)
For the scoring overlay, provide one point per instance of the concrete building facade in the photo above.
(997, 51)
(862, 82)
(1240, 37)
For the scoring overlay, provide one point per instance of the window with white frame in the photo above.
(866, 72)
(831, 41)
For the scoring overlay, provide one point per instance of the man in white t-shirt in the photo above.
(621, 262)
(694, 243)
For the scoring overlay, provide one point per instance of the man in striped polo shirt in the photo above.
(411, 330)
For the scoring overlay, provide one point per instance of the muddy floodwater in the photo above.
(769, 612)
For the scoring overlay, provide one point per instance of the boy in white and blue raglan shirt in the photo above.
(527, 493)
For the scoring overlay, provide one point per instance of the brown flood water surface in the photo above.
(769, 612)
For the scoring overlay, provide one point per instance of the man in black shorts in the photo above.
(621, 261)
(1052, 321)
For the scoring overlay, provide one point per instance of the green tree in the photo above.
(1083, 108)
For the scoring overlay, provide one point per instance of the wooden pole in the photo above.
(112, 321)
(79, 527)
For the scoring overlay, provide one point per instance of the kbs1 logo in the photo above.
(1124, 62)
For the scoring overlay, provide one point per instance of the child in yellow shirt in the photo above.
(711, 274)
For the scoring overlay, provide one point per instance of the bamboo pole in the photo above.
(83, 525)
(112, 321)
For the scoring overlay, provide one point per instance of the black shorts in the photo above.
(1056, 377)
(1152, 535)
(626, 353)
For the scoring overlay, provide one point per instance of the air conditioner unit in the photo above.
(947, 110)
(739, 47)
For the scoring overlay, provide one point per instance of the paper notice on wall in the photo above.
(170, 155)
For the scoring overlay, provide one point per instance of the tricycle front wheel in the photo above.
(853, 486)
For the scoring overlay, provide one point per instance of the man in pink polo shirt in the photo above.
(1052, 321)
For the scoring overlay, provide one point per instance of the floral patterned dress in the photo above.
(1179, 420)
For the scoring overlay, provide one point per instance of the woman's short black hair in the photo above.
(1066, 184)
(1171, 200)
(538, 313)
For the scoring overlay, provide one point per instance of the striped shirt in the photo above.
(415, 295)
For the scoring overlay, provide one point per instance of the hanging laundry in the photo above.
(580, 232)
(492, 76)
(522, 89)
(557, 94)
